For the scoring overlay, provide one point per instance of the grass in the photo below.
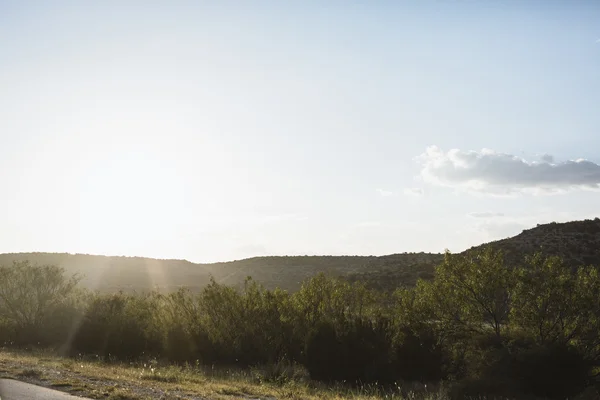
(30, 373)
(61, 384)
(96, 379)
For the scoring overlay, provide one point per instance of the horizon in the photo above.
(277, 255)
(208, 132)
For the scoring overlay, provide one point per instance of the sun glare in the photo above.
(132, 198)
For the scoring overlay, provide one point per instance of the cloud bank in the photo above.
(490, 172)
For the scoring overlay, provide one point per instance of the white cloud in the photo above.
(385, 193)
(414, 192)
(485, 214)
(491, 172)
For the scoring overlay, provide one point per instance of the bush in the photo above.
(322, 353)
(460, 326)
(179, 345)
(554, 371)
(482, 388)
(118, 326)
(487, 367)
(418, 357)
(357, 352)
(37, 304)
(520, 366)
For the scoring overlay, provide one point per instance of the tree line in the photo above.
(485, 327)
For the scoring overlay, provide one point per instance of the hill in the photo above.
(578, 242)
(106, 273)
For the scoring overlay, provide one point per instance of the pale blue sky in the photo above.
(221, 130)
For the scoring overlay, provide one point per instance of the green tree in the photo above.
(587, 333)
(554, 304)
(470, 292)
(266, 331)
(30, 295)
(324, 298)
(121, 326)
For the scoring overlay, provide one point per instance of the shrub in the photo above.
(322, 353)
(119, 326)
(482, 388)
(520, 366)
(37, 304)
(418, 357)
(554, 371)
(356, 352)
(179, 345)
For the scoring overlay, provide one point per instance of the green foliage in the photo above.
(555, 305)
(118, 326)
(553, 371)
(472, 291)
(486, 326)
(245, 327)
(36, 302)
(129, 274)
(324, 298)
(517, 365)
(546, 300)
(418, 356)
(360, 351)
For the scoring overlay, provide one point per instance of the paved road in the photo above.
(15, 390)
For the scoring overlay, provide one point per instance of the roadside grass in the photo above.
(30, 373)
(96, 379)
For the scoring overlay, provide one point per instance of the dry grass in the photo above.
(146, 381)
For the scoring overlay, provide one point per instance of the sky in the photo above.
(213, 131)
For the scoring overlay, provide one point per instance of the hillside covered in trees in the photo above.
(577, 243)
(481, 326)
(518, 318)
(109, 274)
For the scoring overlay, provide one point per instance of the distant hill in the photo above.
(106, 273)
(577, 242)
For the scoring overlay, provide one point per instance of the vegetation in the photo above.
(135, 274)
(483, 326)
(97, 379)
(576, 243)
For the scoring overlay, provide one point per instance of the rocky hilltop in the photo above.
(576, 242)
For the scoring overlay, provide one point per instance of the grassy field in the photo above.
(100, 380)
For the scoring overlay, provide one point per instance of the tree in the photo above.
(327, 298)
(588, 337)
(121, 326)
(554, 304)
(29, 294)
(471, 291)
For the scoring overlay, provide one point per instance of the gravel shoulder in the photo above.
(105, 381)
(79, 383)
